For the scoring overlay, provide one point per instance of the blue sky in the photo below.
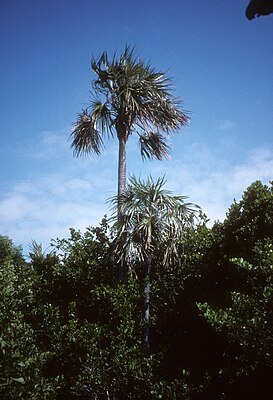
(221, 65)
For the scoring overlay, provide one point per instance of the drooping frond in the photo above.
(154, 145)
(86, 138)
(90, 128)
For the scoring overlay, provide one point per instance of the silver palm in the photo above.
(129, 97)
(149, 223)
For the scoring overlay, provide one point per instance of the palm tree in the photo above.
(128, 97)
(149, 221)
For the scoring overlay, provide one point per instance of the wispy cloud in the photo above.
(73, 193)
(58, 191)
(210, 180)
(215, 184)
(30, 211)
(225, 124)
(46, 145)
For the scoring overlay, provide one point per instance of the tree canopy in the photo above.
(256, 8)
(128, 97)
(71, 330)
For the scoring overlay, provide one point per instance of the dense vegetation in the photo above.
(71, 330)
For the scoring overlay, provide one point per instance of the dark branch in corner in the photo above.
(256, 8)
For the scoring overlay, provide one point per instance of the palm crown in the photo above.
(151, 219)
(129, 96)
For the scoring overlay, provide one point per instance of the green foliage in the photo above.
(71, 330)
(20, 360)
(245, 245)
(249, 220)
(87, 321)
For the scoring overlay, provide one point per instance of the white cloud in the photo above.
(48, 207)
(47, 145)
(209, 179)
(73, 193)
(225, 124)
(216, 184)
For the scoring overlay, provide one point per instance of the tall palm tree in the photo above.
(151, 221)
(128, 97)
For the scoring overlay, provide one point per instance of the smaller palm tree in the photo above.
(152, 221)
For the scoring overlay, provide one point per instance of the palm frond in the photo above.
(154, 145)
(150, 217)
(168, 116)
(92, 124)
(136, 90)
(101, 117)
(85, 137)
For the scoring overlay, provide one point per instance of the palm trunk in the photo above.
(146, 316)
(121, 189)
(121, 167)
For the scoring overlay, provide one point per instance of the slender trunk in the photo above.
(122, 275)
(146, 316)
(121, 167)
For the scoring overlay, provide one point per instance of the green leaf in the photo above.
(19, 380)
